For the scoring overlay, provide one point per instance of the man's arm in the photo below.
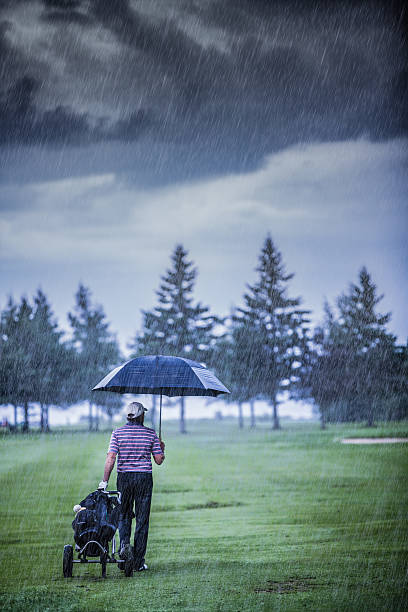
(109, 463)
(160, 458)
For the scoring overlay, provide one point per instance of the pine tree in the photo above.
(48, 358)
(396, 405)
(177, 326)
(34, 360)
(352, 372)
(98, 350)
(111, 403)
(11, 358)
(277, 327)
(324, 378)
(234, 363)
(18, 368)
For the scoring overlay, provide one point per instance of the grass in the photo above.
(241, 520)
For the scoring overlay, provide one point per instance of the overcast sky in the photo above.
(129, 127)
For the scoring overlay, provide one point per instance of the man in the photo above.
(133, 444)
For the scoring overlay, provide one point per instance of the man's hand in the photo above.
(162, 445)
(102, 485)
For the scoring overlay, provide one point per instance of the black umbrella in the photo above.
(164, 375)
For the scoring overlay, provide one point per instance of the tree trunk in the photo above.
(47, 419)
(252, 406)
(370, 413)
(276, 424)
(97, 413)
(182, 419)
(26, 425)
(153, 413)
(240, 416)
(370, 420)
(322, 421)
(90, 417)
(41, 417)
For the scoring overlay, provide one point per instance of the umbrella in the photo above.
(164, 375)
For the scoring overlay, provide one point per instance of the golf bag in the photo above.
(97, 522)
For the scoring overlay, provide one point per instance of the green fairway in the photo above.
(241, 520)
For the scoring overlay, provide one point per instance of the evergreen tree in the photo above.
(34, 361)
(48, 359)
(177, 326)
(325, 378)
(396, 405)
(277, 328)
(235, 363)
(11, 358)
(110, 403)
(26, 374)
(18, 368)
(353, 368)
(98, 350)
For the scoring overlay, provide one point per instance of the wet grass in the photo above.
(241, 520)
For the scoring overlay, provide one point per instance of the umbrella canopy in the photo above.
(171, 376)
(164, 375)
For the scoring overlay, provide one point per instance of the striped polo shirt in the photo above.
(134, 443)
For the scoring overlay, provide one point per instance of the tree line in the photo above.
(350, 366)
(39, 366)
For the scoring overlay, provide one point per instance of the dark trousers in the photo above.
(136, 492)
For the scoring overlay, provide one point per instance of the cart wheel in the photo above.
(103, 559)
(68, 561)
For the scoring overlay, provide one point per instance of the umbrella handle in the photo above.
(160, 415)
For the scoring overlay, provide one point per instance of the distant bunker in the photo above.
(372, 440)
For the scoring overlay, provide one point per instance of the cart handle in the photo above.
(112, 494)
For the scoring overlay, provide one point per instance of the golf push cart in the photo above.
(94, 526)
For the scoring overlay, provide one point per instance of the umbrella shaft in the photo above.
(160, 415)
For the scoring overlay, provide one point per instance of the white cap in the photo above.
(135, 409)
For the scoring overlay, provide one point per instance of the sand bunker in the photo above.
(372, 440)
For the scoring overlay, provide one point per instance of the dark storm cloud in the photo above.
(238, 15)
(228, 82)
(65, 11)
(399, 102)
(174, 53)
(21, 122)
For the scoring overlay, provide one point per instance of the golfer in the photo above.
(133, 444)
